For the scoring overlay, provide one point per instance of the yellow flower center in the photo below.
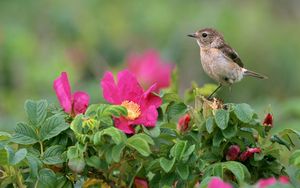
(133, 109)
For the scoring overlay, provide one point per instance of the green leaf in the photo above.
(222, 118)
(166, 164)
(33, 163)
(25, 135)
(117, 151)
(239, 170)
(53, 126)
(76, 164)
(4, 136)
(46, 178)
(145, 137)
(139, 144)
(218, 170)
(15, 158)
(94, 161)
(209, 125)
(53, 155)
(111, 110)
(178, 149)
(169, 97)
(3, 157)
(218, 138)
(91, 110)
(36, 111)
(175, 109)
(116, 135)
(188, 152)
(72, 152)
(295, 158)
(153, 132)
(183, 171)
(243, 112)
(230, 131)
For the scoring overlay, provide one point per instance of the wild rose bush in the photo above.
(145, 137)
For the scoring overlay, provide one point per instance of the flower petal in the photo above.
(218, 183)
(148, 117)
(128, 86)
(124, 125)
(151, 99)
(110, 90)
(263, 183)
(80, 102)
(63, 92)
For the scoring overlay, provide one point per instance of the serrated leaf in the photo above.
(72, 152)
(188, 152)
(145, 137)
(166, 164)
(230, 131)
(15, 158)
(4, 136)
(117, 151)
(239, 170)
(217, 170)
(36, 111)
(33, 163)
(218, 138)
(209, 125)
(153, 132)
(295, 158)
(243, 112)
(25, 135)
(139, 145)
(183, 171)
(116, 135)
(94, 161)
(53, 126)
(169, 97)
(175, 109)
(91, 110)
(222, 118)
(46, 178)
(76, 164)
(178, 149)
(53, 155)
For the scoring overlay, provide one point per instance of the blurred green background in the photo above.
(39, 39)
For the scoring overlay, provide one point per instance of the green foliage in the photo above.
(94, 150)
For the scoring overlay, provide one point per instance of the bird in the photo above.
(219, 60)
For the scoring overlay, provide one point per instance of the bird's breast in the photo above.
(219, 67)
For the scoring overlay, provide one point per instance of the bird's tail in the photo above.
(254, 74)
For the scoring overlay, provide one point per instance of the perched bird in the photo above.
(219, 60)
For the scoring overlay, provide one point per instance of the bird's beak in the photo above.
(192, 35)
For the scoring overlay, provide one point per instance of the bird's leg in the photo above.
(220, 85)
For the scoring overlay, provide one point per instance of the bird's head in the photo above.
(208, 37)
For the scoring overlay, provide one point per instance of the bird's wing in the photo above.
(231, 54)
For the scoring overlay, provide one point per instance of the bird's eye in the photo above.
(204, 35)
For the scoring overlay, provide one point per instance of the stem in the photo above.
(132, 180)
(19, 179)
(42, 149)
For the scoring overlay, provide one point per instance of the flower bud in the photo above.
(249, 153)
(183, 123)
(268, 121)
(140, 183)
(233, 153)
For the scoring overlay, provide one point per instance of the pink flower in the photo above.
(183, 123)
(268, 121)
(149, 69)
(72, 104)
(284, 179)
(233, 153)
(263, 183)
(249, 153)
(141, 105)
(216, 182)
(140, 183)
